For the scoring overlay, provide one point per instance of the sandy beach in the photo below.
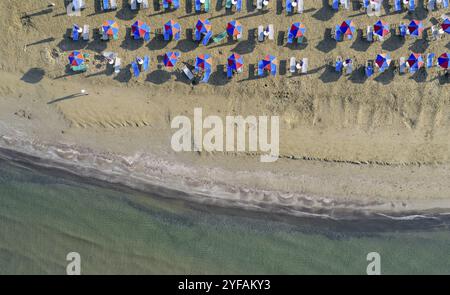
(347, 144)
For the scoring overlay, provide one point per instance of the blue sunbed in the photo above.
(75, 33)
(365, 3)
(397, 5)
(207, 38)
(445, 3)
(176, 4)
(335, 5)
(135, 69)
(403, 29)
(229, 72)
(198, 6)
(206, 77)
(338, 34)
(290, 38)
(288, 6)
(339, 66)
(430, 59)
(105, 4)
(239, 5)
(369, 71)
(146, 64)
(412, 5)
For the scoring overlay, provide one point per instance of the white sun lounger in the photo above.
(369, 33)
(292, 65)
(300, 6)
(188, 73)
(145, 4)
(402, 65)
(305, 65)
(260, 33)
(86, 33)
(117, 64)
(113, 4)
(271, 32)
(133, 4)
(259, 4)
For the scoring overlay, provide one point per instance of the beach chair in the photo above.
(337, 34)
(402, 65)
(86, 32)
(431, 5)
(338, 65)
(300, 6)
(135, 69)
(117, 64)
(75, 33)
(305, 65)
(289, 6)
(220, 37)
(397, 5)
(369, 70)
(402, 30)
(366, 3)
(239, 5)
(412, 5)
(292, 65)
(188, 73)
(271, 32)
(345, 4)
(335, 5)
(430, 60)
(113, 5)
(228, 4)
(146, 64)
(78, 5)
(259, 4)
(198, 6)
(145, 4)
(206, 76)
(348, 67)
(445, 3)
(80, 68)
(207, 5)
(369, 33)
(260, 33)
(133, 4)
(206, 38)
(104, 5)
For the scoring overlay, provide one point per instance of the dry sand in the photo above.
(378, 144)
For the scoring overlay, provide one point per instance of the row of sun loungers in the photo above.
(78, 32)
(268, 32)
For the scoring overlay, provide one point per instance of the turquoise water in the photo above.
(45, 214)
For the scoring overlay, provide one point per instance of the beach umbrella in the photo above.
(347, 28)
(415, 28)
(140, 30)
(443, 60)
(76, 58)
(172, 28)
(446, 25)
(383, 61)
(297, 30)
(110, 27)
(203, 26)
(170, 59)
(203, 62)
(415, 61)
(269, 63)
(381, 28)
(234, 28)
(235, 62)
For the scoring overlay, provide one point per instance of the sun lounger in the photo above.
(369, 70)
(289, 6)
(397, 5)
(220, 37)
(412, 5)
(75, 33)
(117, 64)
(133, 4)
(292, 65)
(207, 38)
(80, 68)
(135, 69)
(335, 5)
(300, 6)
(402, 65)
(346, 4)
(260, 33)
(105, 4)
(86, 33)
(207, 4)
(445, 3)
(188, 73)
(430, 60)
(431, 5)
(349, 67)
(402, 30)
(206, 76)
(365, 4)
(113, 4)
(339, 64)
(78, 5)
(259, 4)
(198, 6)
(146, 64)
(369, 33)
(145, 4)
(239, 5)
(305, 65)
(271, 32)
(228, 4)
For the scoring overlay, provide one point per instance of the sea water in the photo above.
(46, 214)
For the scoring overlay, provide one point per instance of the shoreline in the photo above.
(118, 170)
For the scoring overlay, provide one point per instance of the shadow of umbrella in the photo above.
(33, 76)
(158, 77)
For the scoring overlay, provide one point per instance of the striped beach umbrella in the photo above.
(269, 63)
(203, 62)
(76, 58)
(446, 25)
(347, 28)
(170, 59)
(297, 30)
(172, 28)
(381, 28)
(140, 30)
(415, 61)
(110, 27)
(203, 26)
(443, 60)
(235, 61)
(234, 28)
(383, 61)
(415, 28)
